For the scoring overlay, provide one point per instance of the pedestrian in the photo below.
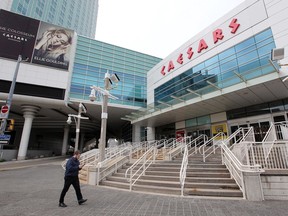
(71, 177)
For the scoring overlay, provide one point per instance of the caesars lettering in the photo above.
(202, 45)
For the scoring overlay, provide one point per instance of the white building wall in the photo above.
(34, 74)
(253, 16)
(6, 4)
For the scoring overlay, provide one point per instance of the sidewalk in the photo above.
(34, 190)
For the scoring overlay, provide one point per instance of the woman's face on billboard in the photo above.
(59, 39)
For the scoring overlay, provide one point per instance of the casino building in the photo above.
(223, 78)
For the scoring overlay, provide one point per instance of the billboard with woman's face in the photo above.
(53, 45)
(41, 42)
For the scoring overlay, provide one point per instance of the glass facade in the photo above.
(259, 109)
(79, 15)
(93, 59)
(244, 61)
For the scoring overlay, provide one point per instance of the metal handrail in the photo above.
(236, 168)
(195, 143)
(86, 157)
(115, 166)
(145, 163)
(215, 144)
(182, 174)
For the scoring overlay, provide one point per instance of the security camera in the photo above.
(114, 78)
(69, 121)
(92, 95)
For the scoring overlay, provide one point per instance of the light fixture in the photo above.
(277, 54)
(69, 121)
(92, 95)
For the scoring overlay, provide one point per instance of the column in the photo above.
(65, 140)
(29, 112)
(150, 133)
(136, 133)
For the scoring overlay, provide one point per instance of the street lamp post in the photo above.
(10, 95)
(104, 115)
(77, 118)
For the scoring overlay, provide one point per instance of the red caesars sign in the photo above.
(202, 45)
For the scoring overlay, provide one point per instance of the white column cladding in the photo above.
(150, 133)
(136, 133)
(29, 112)
(65, 140)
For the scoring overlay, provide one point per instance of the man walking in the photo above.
(71, 177)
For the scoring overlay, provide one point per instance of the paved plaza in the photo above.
(33, 188)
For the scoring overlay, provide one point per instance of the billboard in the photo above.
(41, 42)
(18, 35)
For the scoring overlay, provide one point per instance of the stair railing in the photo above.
(210, 146)
(241, 148)
(233, 164)
(141, 165)
(182, 174)
(193, 145)
(85, 157)
(236, 168)
(277, 131)
(177, 147)
(277, 158)
(113, 163)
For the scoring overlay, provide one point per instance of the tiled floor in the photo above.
(34, 191)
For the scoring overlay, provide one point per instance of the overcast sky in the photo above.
(156, 27)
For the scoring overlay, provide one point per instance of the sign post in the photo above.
(9, 99)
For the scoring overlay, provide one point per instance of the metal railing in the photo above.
(236, 168)
(195, 144)
(85, 158)
(141, 165)
(113, 163)
(210, 146)
(255, 153)
(233, 159)
(182, 174)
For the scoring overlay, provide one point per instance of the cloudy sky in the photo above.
(156, 27)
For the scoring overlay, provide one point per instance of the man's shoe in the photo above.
(82, 201)
(62, 205)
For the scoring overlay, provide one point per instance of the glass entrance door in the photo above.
(260, 129)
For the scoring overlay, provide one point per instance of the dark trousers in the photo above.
(74, 180)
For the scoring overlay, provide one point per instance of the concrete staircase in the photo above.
(202, 179)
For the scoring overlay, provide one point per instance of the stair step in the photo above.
(213, 192)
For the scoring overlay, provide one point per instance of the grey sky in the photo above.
(157, 27)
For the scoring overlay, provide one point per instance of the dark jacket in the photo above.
(72, 167)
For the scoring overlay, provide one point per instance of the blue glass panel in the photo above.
(227, 53)
(199, 67)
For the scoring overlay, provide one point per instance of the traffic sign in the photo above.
(4, 112)
(4, 109)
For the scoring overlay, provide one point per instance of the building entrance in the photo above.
(260, 128)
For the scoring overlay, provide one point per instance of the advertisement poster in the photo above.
(53, 46)
(17, 35)
(219, 128)
(38, 42)
(180, 134)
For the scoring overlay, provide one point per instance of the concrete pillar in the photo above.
(136, 133)
(29, 112)
(253, 186)
(65, 140)
(150, 133)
